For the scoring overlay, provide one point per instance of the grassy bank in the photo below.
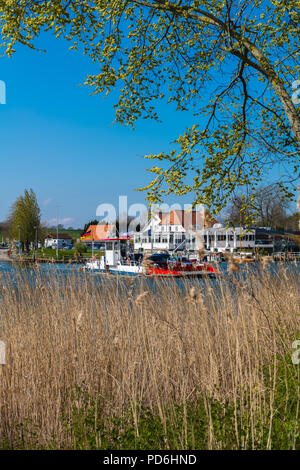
(75, 234)
(63, 255)
(117, 366)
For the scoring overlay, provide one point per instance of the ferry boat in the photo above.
(118, 259)
(243, 257)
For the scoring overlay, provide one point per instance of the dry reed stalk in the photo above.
(234, 266)
(265, 261)
(159, 350)
(147, 264)
(141, 297)
(200, 244)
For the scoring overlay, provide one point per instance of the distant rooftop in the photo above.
(186, 218)
(61, 236)
(98, 232)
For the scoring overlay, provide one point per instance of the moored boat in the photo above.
(243, 258)
(118, 259)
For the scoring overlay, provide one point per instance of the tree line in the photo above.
(269, 209)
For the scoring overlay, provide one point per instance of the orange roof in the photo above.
(98, 232)
(187, 219)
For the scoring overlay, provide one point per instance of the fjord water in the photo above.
(12, 275)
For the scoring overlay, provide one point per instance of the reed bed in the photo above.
(131, 364)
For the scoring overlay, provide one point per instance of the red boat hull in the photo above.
(179, 269)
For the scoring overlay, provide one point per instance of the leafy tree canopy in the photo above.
(232, 62)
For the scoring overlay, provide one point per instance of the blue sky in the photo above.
(60, 141)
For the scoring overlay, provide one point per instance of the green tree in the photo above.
(25, 219)
(234, 63)
(92, 222)
(4, 230)
(80, 248)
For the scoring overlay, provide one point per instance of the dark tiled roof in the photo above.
(61, 236)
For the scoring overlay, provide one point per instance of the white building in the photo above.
(63, 241)
(177, 229)
(220, 239)
(180, 230)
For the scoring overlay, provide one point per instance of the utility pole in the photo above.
(92, 245)
(36, 238)
(35, 243)
(57, 232)
(151, 230)
(240, 231)
(19, 239)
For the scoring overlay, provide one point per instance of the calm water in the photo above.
(13, 275)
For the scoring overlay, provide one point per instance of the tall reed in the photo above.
(105, 351)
